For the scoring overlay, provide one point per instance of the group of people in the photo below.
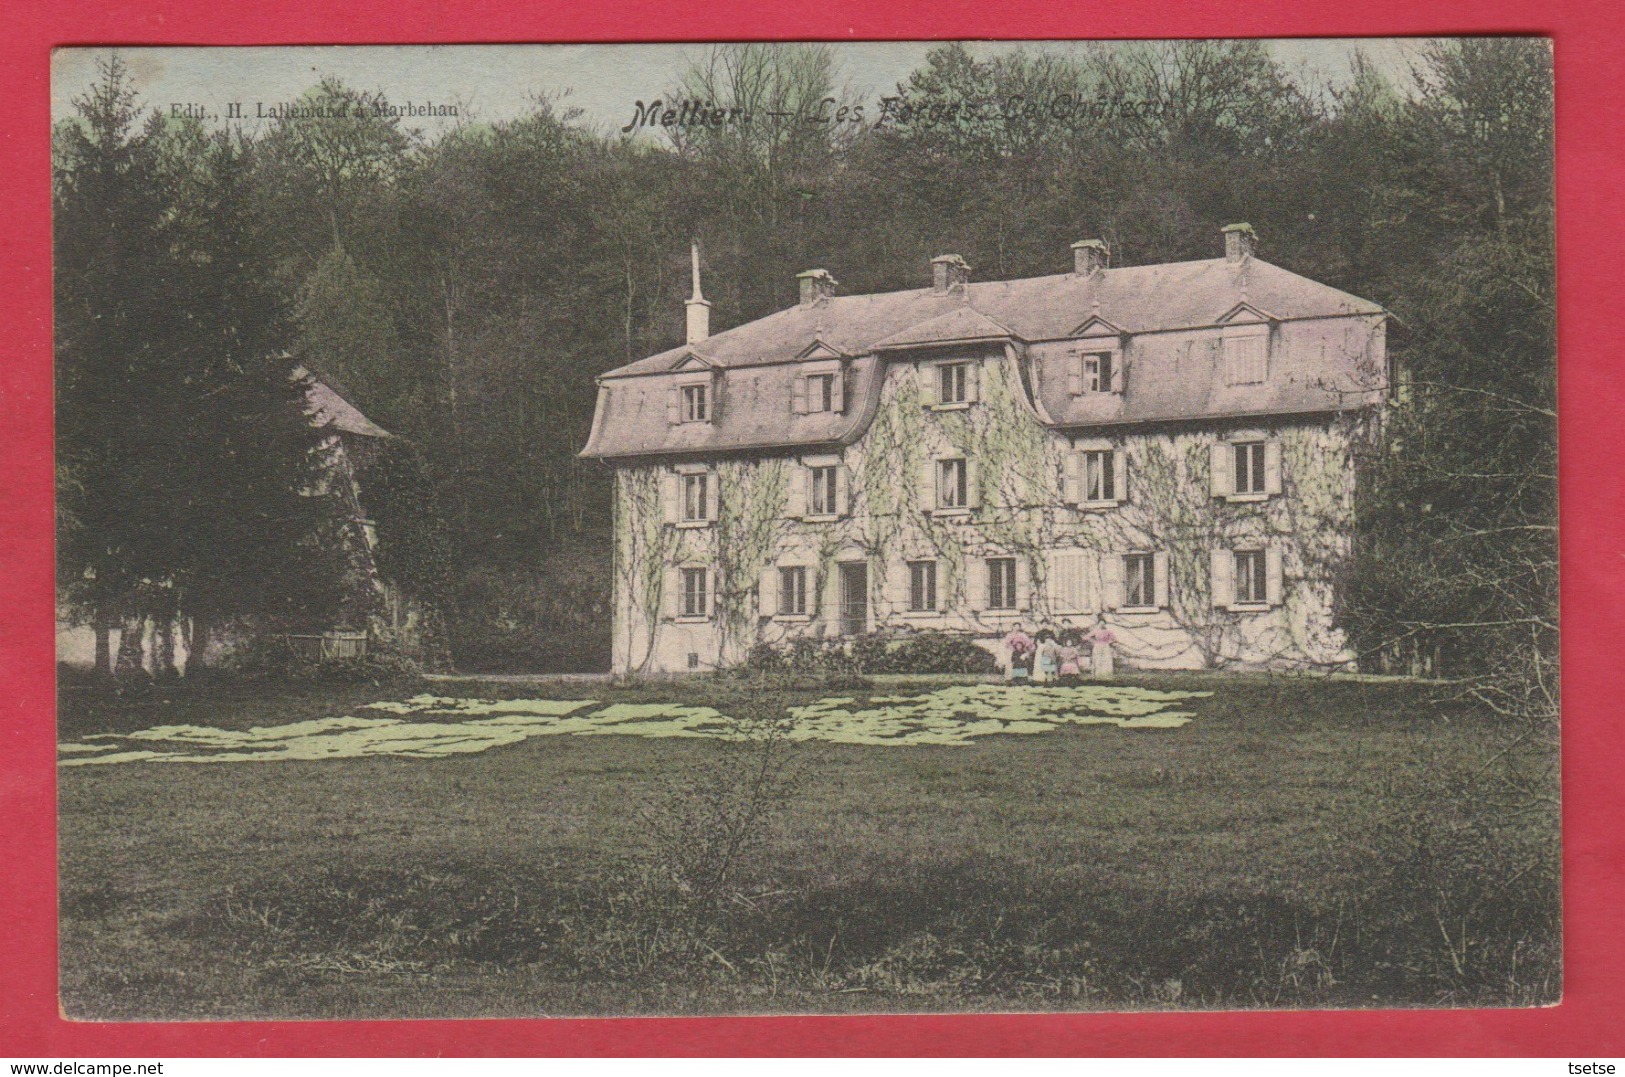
(1051, 657)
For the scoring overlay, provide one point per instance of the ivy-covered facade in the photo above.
(1060, 452)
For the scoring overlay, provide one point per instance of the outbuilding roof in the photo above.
(328, 410)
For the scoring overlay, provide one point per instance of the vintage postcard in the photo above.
(806, 528)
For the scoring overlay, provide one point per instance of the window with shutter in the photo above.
(922, 586)
(822, 491)
(953, 484)
(1246, 356)
(1248, 469)
(793, 591)
(1097, 372)
(694, 593)
(820, 392)
(1001, 583)
(695, 404)
(698, 501)
(1140, 581)
(1251, 587)
(1099, 476)
(953, 383)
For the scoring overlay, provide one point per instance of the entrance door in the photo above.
(854, 599)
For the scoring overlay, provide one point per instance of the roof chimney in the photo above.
(948, 272)
(1239, 241)
(816, 286)
(699, 310)
(1089, 255)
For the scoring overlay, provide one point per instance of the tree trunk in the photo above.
(163, 648)
(131, 662)
(197, 648)
(104, 649)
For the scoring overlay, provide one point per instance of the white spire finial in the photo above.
(699, 308)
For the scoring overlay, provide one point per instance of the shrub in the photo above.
(274, 658)
(925, 652)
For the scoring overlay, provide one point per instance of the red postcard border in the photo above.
(1589, 40)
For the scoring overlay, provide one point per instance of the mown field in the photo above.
(1299, 843)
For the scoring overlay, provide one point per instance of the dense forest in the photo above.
(464, 291)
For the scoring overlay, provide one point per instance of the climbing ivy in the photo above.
(1019, 466)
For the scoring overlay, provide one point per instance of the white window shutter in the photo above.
(931, 378)
(1117, 372)
(838, 394)
(796, 496)
(973, 484)
(711, 596)
(843, 492)
(1120, 476)
(671, 494)
(713, 503)
(1111, 580)
(1272, 467)
(1223, 468)
(1272, 575)
(1072, 477)
(928, 485)
(897, 586)
(1024, 583)
(1159, 583)
(974, 577)
(1074, 374)
(674, 405)
(1224, 578)
(673, 603)
(767, 592)
(798, 395)
(1066, 582)
(973, 382)
(1091, 591)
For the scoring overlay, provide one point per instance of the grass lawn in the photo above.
(1298, 843)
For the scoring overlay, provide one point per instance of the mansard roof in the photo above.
(758, 361)
(1137, 299)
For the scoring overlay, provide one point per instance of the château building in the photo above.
(1172, 449)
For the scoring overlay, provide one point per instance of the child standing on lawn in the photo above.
(1048, 663)
(1021, 654)
(1070, 655)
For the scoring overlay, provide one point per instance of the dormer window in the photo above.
(1095, 366)
(1097, 372)
(1246, 355)
(696, 404)
(817, 389)
(821, 392)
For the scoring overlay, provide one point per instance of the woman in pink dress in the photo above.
(1100, 654)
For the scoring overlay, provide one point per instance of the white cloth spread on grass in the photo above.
(428, 726)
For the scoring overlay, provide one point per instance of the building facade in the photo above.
(1171, 450)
